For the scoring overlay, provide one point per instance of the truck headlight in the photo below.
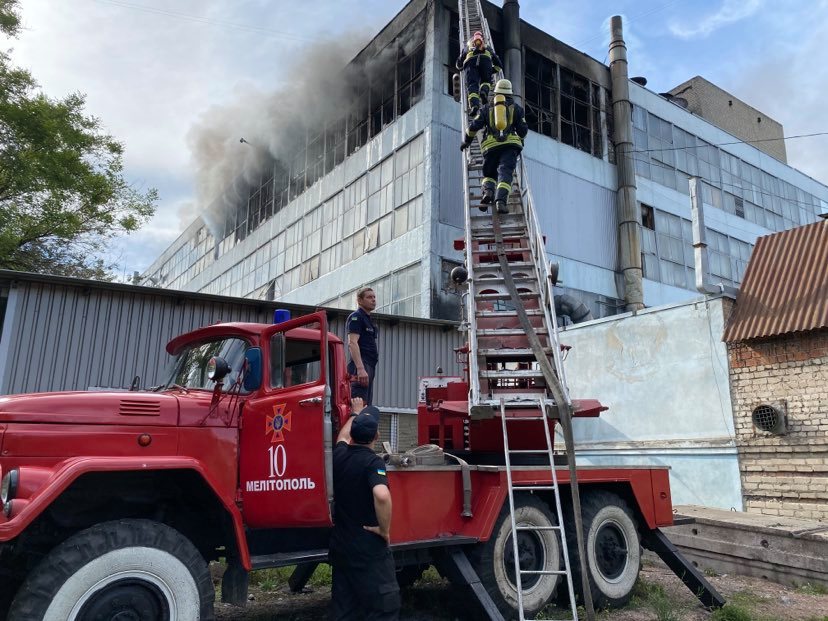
(8, 486)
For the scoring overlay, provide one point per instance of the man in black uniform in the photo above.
(501, 145)
(364, 577)
(362, 344)
(479, 63)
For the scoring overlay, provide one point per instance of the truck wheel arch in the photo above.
(59, 499)
(134, 564)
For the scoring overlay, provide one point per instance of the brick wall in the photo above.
(783, 475)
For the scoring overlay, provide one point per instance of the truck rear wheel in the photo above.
(131, 569)
(613, 549)
(538, 550)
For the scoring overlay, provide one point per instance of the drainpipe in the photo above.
(629, 219)
(511, 54)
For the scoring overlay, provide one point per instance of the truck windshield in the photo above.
(189, 369)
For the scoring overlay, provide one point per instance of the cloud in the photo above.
(730, 12)
(784, 85)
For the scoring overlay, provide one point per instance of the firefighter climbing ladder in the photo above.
(515, 362)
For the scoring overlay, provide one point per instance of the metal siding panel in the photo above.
(785, 288)
(578, 217)
(450, 190)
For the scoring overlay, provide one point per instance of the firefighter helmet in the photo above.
(503, 87)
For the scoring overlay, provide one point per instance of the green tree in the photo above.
(62, 190)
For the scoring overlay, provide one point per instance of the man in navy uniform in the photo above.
(362, 344)
(364, 580)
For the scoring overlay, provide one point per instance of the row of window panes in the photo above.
(668, 257)
(397, 293)
(668, 155)
(327, 224)
(270, 263)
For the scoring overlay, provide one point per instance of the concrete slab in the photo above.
(785, 550)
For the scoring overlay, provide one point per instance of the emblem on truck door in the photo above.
(278, 423)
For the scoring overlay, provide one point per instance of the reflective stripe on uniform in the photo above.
(471, 55)
(511, 138)
(504, 185)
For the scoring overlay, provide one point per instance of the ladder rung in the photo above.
(530, 312)
(511, 373)
(505, 331)
(543, 572)
(533, 488)
(532, 528)
(512, 265)
(507, 352)
(503, 296)
(505, 250)
(529, 452)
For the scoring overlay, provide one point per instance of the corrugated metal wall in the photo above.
(66, 334)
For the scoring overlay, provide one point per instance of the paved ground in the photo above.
(660, 596)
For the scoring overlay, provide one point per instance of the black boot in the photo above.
(488, 197)
(501, 207)
(474, 111)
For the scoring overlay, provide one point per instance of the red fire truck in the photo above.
(114, 502)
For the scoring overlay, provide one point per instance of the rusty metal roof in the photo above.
(785, 287)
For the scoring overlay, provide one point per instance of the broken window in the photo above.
(541, 97)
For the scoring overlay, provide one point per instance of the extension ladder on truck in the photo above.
(515, 362)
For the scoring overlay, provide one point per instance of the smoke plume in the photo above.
(317, 89)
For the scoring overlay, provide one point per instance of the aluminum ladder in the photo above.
(515, 362)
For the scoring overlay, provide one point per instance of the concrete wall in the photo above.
(733, 115)
(663, 374)
(783, 474)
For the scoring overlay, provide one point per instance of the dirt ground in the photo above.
(659, 596)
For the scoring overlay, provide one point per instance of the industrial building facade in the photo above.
(375, 197)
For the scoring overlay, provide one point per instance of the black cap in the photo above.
(370, 409)
(364, 428)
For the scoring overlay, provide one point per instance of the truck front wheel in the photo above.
(131, 569)
(613, 548)
(538, 550)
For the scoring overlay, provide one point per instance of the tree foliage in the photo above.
(62, 190)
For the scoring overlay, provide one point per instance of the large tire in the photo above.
(494, 559)
(613, 549)
(137, 568)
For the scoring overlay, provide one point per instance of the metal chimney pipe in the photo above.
(511, 41)
(629, 218)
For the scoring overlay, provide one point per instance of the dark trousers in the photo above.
(477, 86)
(498, 169)
(357, 389)
(365, 589)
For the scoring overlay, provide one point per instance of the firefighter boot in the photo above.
(487, 199)
(501, 207)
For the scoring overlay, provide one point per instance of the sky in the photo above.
(156, 71)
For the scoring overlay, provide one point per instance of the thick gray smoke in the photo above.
(318, 88)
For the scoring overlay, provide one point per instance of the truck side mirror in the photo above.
(217, 369)
(253, 376)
